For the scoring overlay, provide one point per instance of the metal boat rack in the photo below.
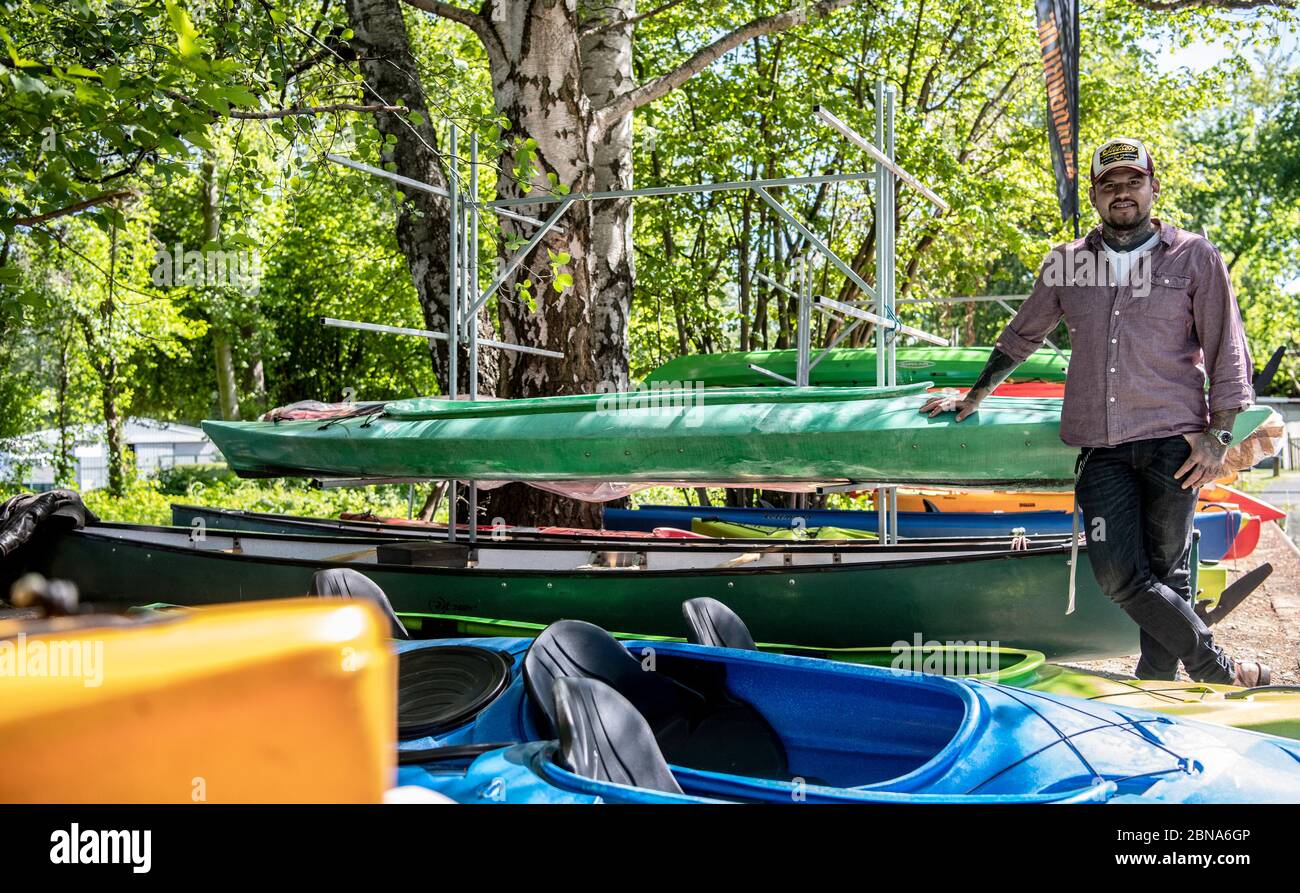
(465, 300)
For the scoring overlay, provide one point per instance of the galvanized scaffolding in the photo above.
(465, 300)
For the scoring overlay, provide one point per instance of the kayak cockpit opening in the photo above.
(731, 713)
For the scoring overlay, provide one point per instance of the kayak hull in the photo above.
(931, 740)
(237, 704)
(745, 436)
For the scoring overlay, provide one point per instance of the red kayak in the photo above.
(1021, 389)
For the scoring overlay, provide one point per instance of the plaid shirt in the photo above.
(1140, 362)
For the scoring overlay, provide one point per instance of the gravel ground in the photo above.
(1265, 627)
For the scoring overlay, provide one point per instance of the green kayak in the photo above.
(852, 367)
(714, 436)
(729, 530)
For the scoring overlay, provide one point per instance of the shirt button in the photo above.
(1114, 341)
(1117, 313)
(1112, 368)
(1166, 282)
(1112, 399)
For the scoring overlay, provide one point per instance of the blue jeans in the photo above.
(1139, 526)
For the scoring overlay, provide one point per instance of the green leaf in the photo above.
(214, 99)
(187, 38)
(416, 118)
(563, 281)
(563, 257)
(239, 96)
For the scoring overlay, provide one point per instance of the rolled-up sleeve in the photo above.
(1035, 320)
(1223, 339)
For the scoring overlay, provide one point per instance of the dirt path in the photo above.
(1266, 626)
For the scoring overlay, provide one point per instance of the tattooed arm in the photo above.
(996, 371)
(1206, 461)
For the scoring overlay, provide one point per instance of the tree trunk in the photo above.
(423, 219)
(222, 353)
(63, 465)
(541, 81)
(113, 431)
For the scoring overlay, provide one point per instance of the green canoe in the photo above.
(852, 367)
(824, 594)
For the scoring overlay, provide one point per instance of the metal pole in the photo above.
(648, 191)
(471, 318)
(523, 253)
(891, 269)
(803, 339)
(885, 159)
(440, 336)
(425, 187)
(784, 213)
(453, 298)
(882, 251)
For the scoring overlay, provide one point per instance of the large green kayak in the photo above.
(823, 594)
(852, 367)
(716, 436)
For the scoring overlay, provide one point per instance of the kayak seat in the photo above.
(344, 582)
(441, 688)
(710, 622)
(715, 733)
(604, 738)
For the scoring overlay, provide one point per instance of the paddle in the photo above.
(1265, 376)
(1234, 594)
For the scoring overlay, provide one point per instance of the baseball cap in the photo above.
(1121, 153)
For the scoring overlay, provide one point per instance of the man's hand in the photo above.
(963, 406)
(1205, 463)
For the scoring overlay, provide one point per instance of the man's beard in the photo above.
(1139, 223)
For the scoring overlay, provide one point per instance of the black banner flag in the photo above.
(1058, 37)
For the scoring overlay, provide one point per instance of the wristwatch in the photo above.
(1222, 436)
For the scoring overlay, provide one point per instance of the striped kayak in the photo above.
(1218, 529)
(852, 367)
(723, 725)
(755, 435)
(232, 704)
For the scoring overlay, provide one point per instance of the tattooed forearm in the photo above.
(996, 371)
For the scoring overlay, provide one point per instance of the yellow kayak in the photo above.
(278, 701)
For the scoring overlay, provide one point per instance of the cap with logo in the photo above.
(1121, 154)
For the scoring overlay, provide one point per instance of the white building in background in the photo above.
(149, 444)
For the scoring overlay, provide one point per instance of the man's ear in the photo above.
(1155, 185)
(1092, 195)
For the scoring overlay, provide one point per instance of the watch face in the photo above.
(1224, 437)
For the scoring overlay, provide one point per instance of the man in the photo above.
(1151, 314)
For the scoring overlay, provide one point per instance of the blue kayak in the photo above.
(1218, 529)
(577, 717)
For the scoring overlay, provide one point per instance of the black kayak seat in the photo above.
(604, 738)
(344, 582)
(442, 687)
(710, 622)
(715, 733)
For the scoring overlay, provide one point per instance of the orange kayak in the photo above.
(1030, 501)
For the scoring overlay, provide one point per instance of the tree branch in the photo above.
(317, 110)
(1175, 5)
(595, 27)
(481, 27)
(101, 199)
(665, 84)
